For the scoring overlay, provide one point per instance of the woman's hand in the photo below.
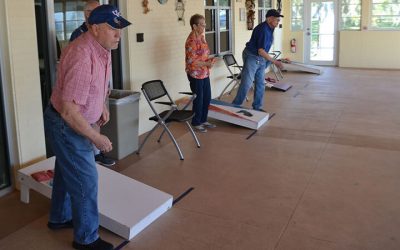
(211, 62)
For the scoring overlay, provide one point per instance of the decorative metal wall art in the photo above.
(145, 5)
(250, 6)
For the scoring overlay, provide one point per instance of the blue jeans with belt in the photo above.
(253, 71)
(75, 184)
(202, 89)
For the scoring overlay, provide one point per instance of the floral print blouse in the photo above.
(196, 49)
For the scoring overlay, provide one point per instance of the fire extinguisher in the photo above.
(293, 45)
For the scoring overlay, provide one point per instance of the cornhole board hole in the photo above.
(296, 66)
(126, 206)
(278, 86)
(230, 113)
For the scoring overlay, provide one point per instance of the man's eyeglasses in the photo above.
(202, 24)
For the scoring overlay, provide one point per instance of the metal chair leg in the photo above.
(193, 134)
(280, 72)
(162, 133)
(223, 91)
(174, 141)
(273, 70)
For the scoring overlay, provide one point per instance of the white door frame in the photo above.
(307, 30)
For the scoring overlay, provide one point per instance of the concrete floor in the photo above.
(323, 173)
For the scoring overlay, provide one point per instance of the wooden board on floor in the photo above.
(297, 66)
(126, 206)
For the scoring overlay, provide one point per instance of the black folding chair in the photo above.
(232, 66)
(154, 90)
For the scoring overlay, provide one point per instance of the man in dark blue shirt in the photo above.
(89, 6)
(256, 59)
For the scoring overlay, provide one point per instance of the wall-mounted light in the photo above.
(279, 6)
(180, 10)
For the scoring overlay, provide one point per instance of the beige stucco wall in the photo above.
(369, 49)
(20, 69)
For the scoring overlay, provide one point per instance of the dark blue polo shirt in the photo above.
(261, 38)
(78, 31)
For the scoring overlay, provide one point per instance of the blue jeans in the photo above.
(253, 71)
(202, 89)
(75, 184)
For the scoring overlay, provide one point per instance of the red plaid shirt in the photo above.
(83, 76)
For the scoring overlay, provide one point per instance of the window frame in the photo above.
(217, 30)
(64, 19)
(262, 11)
(370, 27)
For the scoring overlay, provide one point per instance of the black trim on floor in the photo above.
(270, 117)
(182, 196)
(252, 133)
(120, 246)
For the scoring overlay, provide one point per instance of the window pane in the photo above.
(210, 38)
(58, 7)
(351, 10)
(297, 9)
(218, 31)
(71, 25)
(350, 23)
(59, 17)
(224, 41)
(386, 22)
(70, 6)
(81, 15)
(210, 20)
(385, 14)
(60, 26)
(350, 18)
(260, 16)
(60, 36)
(71, 15)
(297, 24)
(224, 19)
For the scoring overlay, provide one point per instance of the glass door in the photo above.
(321, 32)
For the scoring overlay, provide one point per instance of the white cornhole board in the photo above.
(296, 66)
(126, 206)
(237, 115)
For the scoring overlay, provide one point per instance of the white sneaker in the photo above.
(209, 125)
(200, 128)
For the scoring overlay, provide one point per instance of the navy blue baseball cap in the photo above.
(274, 13)
(108, 14)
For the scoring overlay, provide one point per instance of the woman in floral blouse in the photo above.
(198, 66)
